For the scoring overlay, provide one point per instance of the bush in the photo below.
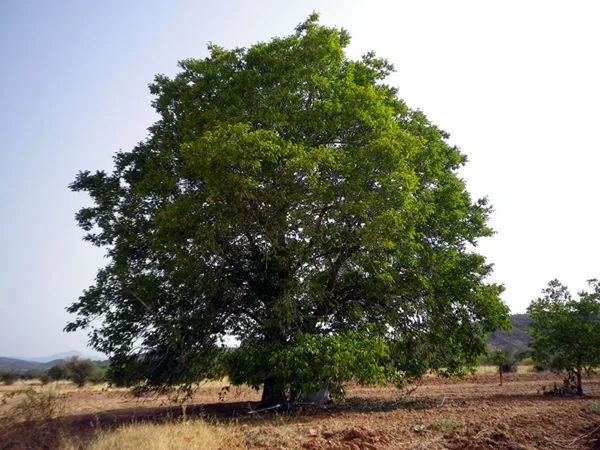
(59, 372)
(569, 386)
(32, 374)
(41, 409)
(593, 408)
(503, 359)
(9, 377)
(81, 371)
(98, 375)
(527, 362)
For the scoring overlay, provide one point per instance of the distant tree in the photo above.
(98, 375)
(9, 377)
(80, 370)
(286, 191)
(566, 331)
(504, 361)
(31, 374)
(58, 372)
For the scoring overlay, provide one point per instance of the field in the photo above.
(475, 413)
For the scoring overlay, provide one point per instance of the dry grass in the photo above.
(62, 386)
(19, 386)
(482, 370)
(195, 434)
(473, 413)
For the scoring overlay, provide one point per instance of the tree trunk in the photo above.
(273, 392)
(579, 385)
(501, 375)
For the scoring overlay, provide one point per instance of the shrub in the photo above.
(9, 377)
(41, 410)
(81, 370)
(32, 374)
(569, 386)
(446, 422)
(98, 375)
(58, 372)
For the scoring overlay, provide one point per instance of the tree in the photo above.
(285, 196)
(59, 372)
(80, 370)
(566, 331)
(505, 362)
(9, 377)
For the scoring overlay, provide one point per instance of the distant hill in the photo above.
(42, 362)
(513, 340)
(63, 355)
(21, 364)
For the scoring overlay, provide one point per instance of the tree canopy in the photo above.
(286, 198)
(565, 330)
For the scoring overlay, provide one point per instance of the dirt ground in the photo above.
(475, 413)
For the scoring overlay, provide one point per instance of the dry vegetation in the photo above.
(178, 435)
(441, 414)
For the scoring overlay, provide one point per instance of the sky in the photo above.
(516, 84)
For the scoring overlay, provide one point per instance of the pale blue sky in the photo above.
(515, 83)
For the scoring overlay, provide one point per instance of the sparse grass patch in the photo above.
(482, 370)
(446, 423)
(194, 434)
(36, 405)
(39, 410)
(19, 386)
(593, 407)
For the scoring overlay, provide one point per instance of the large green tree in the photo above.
(289, 199)
(565, 330)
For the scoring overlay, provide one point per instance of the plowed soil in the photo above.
(475, 413)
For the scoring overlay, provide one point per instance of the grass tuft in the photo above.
(442, 423)
(593, 408)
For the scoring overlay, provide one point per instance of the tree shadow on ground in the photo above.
(81, 428)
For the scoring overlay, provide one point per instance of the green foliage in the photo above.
(444, 423)
(527, 362)
(566, 331)
(314, 362)
(32, 374)
(508, 362)
(58, 372)
(330, 361)
(286, 197)
(81, 371)
(9, 377)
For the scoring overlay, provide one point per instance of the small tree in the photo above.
(9, 377)
(81, 370)
(504, 361)
(31, 374)
(58, 372)
(566, 331)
